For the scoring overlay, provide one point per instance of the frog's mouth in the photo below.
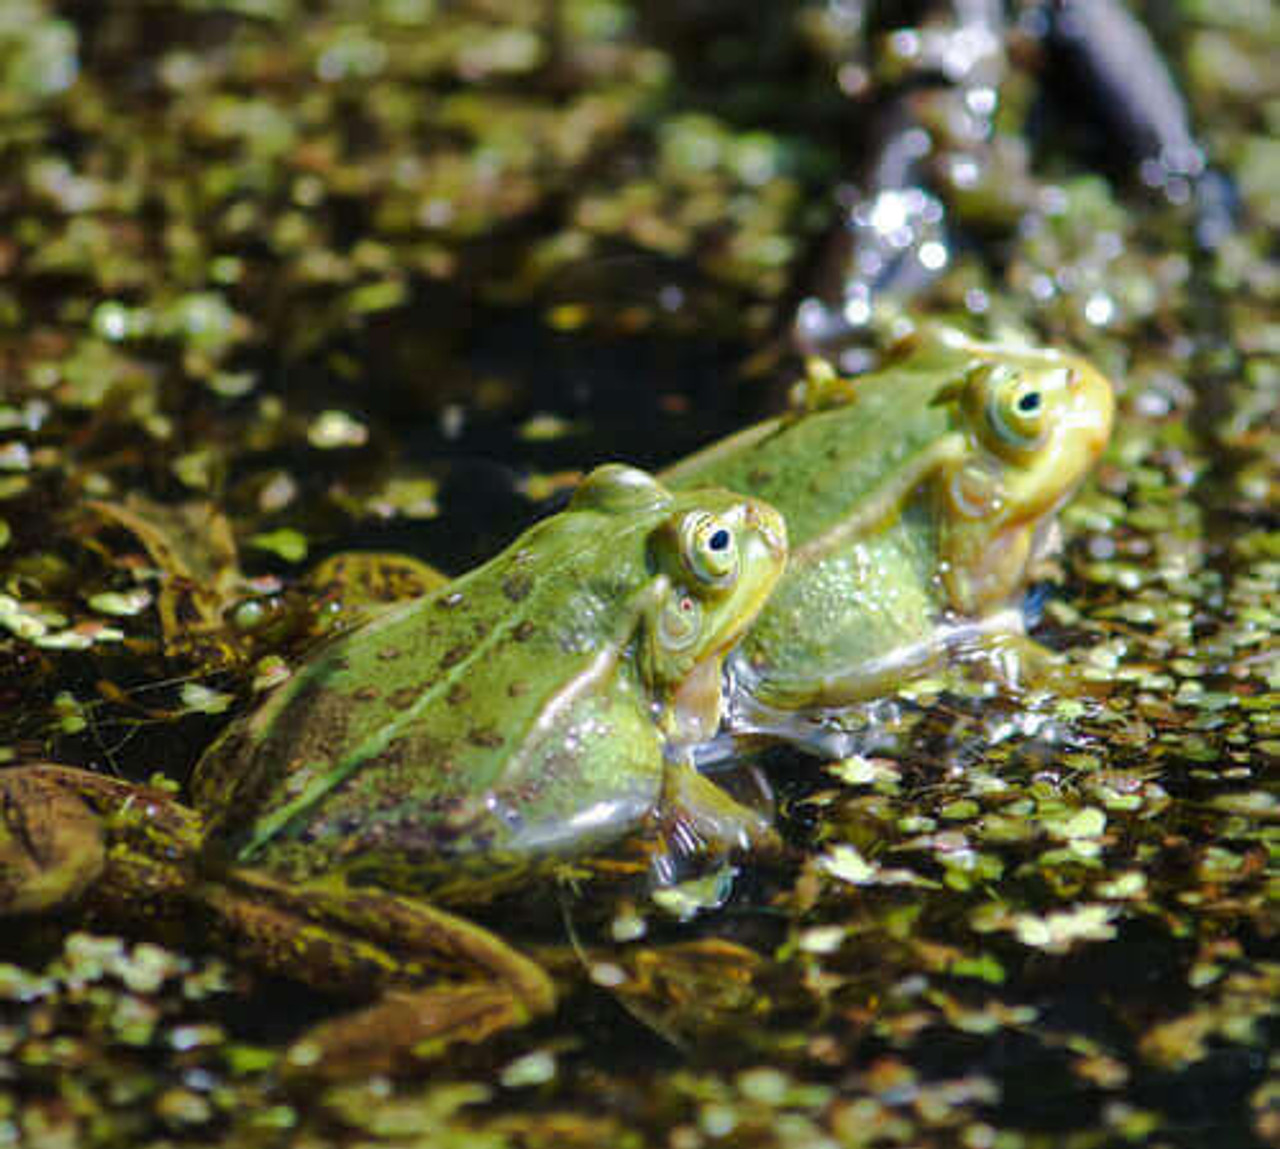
(698, 702)
(999, 531)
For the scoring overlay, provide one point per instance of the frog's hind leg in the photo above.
(438, 979)
(123, 853)
(404, 1026)
(52, 845)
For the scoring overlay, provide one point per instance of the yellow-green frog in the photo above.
(518, 718)
(918, 498)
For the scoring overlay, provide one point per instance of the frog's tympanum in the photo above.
(917, 498)
(522, 716)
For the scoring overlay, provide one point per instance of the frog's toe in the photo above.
(51, 843)
(698, 817)
(1020, 665)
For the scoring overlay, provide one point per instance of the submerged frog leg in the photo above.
(52, 845)
(404, 1026)
(131, 855)
(128, 852)
(366, 941)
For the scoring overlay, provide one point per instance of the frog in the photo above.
(500, 729)
(920, 498)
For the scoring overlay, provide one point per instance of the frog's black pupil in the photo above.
(1029, 402)
(720, 540)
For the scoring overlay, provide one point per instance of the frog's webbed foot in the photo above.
(1020, 665)
(365, 941)
(699, 819)
(52, 845)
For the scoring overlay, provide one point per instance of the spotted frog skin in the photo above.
(918, 498)
(524, 715)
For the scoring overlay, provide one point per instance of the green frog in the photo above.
(513, 721)
(918, 499)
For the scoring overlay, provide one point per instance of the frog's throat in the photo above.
(697, 704)
(985, 569)
(695, 700)
(884, 503)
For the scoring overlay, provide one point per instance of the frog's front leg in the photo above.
(438, 978)
(1019, 664)
(698, 817)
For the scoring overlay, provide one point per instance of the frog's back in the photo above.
(446, 729)
(885, 421)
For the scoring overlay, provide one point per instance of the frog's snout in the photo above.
(1093, 400)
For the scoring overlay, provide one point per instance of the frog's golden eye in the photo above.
(680, 622)
(1016, 409)
(709, 546)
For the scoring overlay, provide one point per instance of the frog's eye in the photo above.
(1016, 409)
(709, 546)
(680, 622)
